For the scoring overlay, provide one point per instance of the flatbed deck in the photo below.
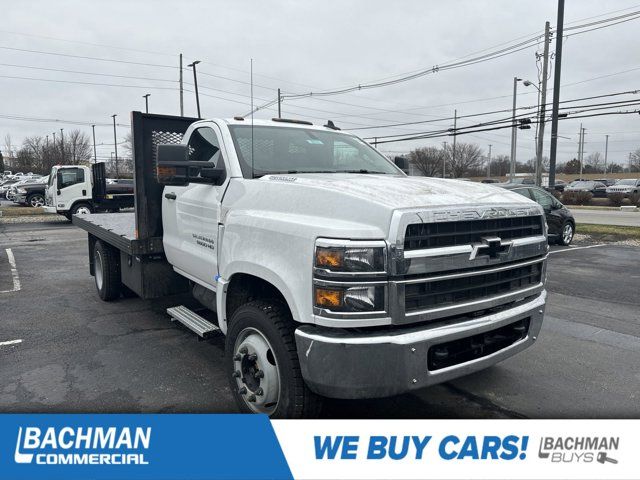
(119, 230)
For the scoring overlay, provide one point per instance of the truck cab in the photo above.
(79, 189)
(330, 272)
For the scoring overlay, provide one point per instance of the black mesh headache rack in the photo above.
(138, 235)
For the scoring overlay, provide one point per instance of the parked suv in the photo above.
(561, 225)
(627, 186)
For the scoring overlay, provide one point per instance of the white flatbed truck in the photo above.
(331, 273)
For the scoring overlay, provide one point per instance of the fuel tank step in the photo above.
(192, 321)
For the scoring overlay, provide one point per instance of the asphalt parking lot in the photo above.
(64, 350)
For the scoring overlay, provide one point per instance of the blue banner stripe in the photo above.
(115, 446)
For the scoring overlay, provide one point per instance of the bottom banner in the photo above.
(251, 447)
(462, 449)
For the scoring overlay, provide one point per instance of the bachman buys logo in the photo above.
(83, 445)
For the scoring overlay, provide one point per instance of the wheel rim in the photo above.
(567, 234)
(82, 211)
(97, 266)
(256, 371)
(37, 201)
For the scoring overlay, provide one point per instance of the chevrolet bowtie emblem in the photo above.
(493, 247)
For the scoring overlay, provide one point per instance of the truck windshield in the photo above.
(302, 150)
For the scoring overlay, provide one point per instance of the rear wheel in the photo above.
(262, 363)
(35, 200)
(566, 235)
(106, 264)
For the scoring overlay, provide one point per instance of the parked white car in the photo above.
(627, 186)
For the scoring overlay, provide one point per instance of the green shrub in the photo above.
(615, 199)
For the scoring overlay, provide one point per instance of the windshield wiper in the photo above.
(290, 172)
(363, 170)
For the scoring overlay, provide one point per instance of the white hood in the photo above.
(405, 192)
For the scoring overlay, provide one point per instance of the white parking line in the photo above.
(11, 342)
(14, 272)
(573, 249)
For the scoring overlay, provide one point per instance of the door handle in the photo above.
(170, 196)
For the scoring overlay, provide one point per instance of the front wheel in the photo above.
(262, 363)
(566, 235)
(81, 209)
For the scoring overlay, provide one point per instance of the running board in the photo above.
(192, 321)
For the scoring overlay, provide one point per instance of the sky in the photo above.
(305, 46)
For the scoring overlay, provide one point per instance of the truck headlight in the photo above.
(347, 256)
(357, 298)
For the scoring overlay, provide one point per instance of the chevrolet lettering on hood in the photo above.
(494, 212)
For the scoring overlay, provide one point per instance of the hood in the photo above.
(404, 192)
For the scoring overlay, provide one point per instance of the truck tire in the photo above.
(35, 200)
(262, 363)
(106, 261)
(81, 208)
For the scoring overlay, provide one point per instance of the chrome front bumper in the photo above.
(343, 363)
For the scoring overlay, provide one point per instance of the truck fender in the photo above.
(254, 270)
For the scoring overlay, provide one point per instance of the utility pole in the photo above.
(514, 131)
(606, 151)
(375, 139)
(115, 143)
(444, 157)
(455, 127)
(543, 102)
(195, 83)
(47, 141)
(181, 90)
(279, 101)
(62, 143)
(489, 163)
(95, 156)
(581, 148)
(556, 94)
(146, 102)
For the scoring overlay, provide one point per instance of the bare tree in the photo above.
(635, 159)
(467, 156)
(500, 165)
(596, 161)
(77, 147)
(427, 160)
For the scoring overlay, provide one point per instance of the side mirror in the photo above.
(175, 168)
(402, 163)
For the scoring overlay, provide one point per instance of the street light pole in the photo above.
(606, 151)
(195, 83)
(115, 143)
(279, 101)
(489, 163)
(514, 131)
(95, 156)
(455, 127)
(181, 90)
(146, 102)
(543, 102)
(444, 157)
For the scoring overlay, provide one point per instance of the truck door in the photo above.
(191, 214)
(72, 184)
